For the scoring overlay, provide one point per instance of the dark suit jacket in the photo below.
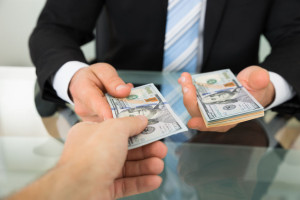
(137, 30)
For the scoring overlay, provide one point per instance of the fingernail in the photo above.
(142, 117)
(120, 87)
(185, 90)
(104, 117)
(182, 79)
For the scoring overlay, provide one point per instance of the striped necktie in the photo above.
(181, 47)
(180, 54)
(182, 32)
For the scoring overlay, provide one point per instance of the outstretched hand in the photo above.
(88, 86)
(255, 79)
(96, 164)
(98, 156)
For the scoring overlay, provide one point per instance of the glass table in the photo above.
(258, 159)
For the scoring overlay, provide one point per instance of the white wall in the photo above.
(17, 20)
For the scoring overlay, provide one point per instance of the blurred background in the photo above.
(17, 20)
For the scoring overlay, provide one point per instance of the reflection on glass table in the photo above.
(257, 159)
(238, 165)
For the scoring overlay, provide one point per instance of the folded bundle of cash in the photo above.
(146, 100)
(223, 100)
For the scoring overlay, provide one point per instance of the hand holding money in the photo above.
(146, 100)
(254, 79)
(87, 88)
(257, 81)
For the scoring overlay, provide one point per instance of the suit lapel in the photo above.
(214, 14)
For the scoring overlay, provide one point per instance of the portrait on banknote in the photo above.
(224, 97)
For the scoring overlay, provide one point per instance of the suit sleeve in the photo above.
(63, 26)
(283, 32)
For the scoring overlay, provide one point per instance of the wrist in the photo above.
(74, 82)
(49, 186)
(83, 177)
(63, 76)
(77, 182)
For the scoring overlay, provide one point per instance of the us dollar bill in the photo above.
(223, 100)
(147, 100)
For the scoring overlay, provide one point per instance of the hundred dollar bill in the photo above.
(146, 100)
(223, 100)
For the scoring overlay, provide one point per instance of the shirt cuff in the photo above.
(283, 91)
(63, 77)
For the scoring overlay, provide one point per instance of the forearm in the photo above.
(282, 30)
(284, 61)
(61, 183)
(49, 186)
(50, 48)
(63, 26)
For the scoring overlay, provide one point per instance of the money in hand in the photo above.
(146, 100)
(223, 100)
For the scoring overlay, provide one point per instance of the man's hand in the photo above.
(88, 86)
(255, 79)
(96, 164)
(98, 155)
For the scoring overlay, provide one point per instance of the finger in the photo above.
(185, 79)
(129, 126)
(94, 99)
(259, 79)
(190, 101)
(149, 166)
(254, 78)
(197, 123)
(136, 185)
(102, 107)
(189, 94)
(130, 85)
(155, 149)
(109, 77)
(94, 118)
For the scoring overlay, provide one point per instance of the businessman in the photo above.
(95, 164)
(185, 36)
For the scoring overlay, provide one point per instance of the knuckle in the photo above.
(116, 124)
(79, 110)
(84, 92)
(115, 80)
(185, 74)
(103, 67)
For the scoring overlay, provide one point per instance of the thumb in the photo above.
(254, 78)
(109, 77)
(257, 81)
(130, 126)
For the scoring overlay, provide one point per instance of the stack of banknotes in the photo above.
(223, 100)
(147, 100)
